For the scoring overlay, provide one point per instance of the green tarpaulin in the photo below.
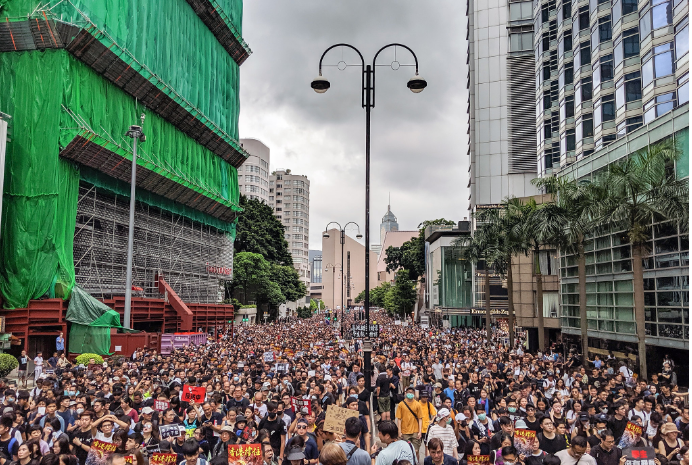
(91, 323)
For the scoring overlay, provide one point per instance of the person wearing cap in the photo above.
(307, 442)
(437, 395)
(670, 443)
(295, 456)
(443, 431)
(429, 413)
(221, 447)
(409, 419)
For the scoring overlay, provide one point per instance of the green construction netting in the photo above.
(169, 38)
(40, 199)
(91, 323)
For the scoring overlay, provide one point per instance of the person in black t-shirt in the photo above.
(384, 386)
(82, 438)
(276, 428)
(8, 443)
(548, 439)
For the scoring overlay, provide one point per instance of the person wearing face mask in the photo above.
(481, 430)
(276, 428)
(409, 419)
(443, 431)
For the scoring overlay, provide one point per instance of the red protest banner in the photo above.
(161, 405)
(129, 459)
(159, 458)
(297, 404)
(244, 454)
(193, 394)
(523, 441)
(99, 452)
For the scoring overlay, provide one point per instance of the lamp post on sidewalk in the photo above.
(320, 85)
(342, 239)
(135, 132)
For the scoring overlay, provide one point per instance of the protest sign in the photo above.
(639, 455)
(478, 459)
(268, 356)
(631, 436)
(99, 452)
(244, 454)
(297, 404)
(170, 431)
(523, 441)
(129, 459)
(193, 394)
(281, 367)
(161, 405)
(335, 420)
(159, 458)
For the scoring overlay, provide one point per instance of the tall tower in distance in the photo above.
(388, 223)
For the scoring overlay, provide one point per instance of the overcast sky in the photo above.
(419, 141)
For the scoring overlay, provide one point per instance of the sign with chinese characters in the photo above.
(99, 452)
(161, 405)
(639, 455)
(298, 404)
(523, 441)
(478, 459)
(193, 394)
(244, 454)
(631, 436)
(365, 331)
(222, 270)
(159, 458)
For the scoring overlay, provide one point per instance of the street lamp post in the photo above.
(320, 85)
(136, 134)
(342, 239)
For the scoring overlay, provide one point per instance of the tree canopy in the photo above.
(259, 231)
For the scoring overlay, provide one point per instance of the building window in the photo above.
(657, 63)
(682, 39)
(584, 126)
(521, 41)
(659, 15)
(580, 21)
(582, 55)
(567, 108)
(683, 89)
(622, 8)
(604, 109)
(567, 141)
(582, 91)
(520, 11)
(602, 70)
(566, 75)
(629, 125)
(658, 106)
(628, 89)
(594, 4)
(626, 46)
(601, 32)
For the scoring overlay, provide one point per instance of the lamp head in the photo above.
(417, 84)
(359, 236)
(325, 235)
(320, 84)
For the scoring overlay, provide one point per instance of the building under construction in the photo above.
(74, 75)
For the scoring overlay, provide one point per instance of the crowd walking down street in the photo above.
(444, 397)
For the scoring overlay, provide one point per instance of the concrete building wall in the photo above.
(334, 287)
(253, 175)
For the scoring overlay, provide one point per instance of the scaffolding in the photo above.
(195, 259)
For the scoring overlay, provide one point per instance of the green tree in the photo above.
(400, 298)
(250, 274)
(643, 189)
(411, 254)
(259, 231)
(377, 295)
(289, 282)
(316, 304)
(304, 312)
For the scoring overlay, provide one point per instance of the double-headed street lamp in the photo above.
(342, 238)
(321, 85)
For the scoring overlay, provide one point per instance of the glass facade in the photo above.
(452, 285)
(627, 65)
(608, 256)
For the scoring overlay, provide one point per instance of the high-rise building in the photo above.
(389, 223)
(289, 196)
(502, 139)
(315, 274)
(603, 69)
(253, 175)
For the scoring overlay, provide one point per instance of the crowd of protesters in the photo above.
(446, 397)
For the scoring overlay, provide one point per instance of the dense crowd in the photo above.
(446, 395)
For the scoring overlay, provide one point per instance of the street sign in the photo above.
(362, 331)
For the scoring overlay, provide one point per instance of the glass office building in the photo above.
(603, 69)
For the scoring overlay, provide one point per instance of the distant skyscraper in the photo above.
(289, 196)
(388, 224)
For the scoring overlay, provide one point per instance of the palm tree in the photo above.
(481, 246)
(508, 244)
(541, 225)
(579, 202)
(643, 189)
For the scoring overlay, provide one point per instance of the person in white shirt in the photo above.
(38, 366)
(444, 432)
